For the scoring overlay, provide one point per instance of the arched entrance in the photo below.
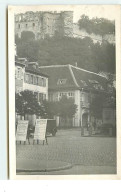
(27, 35)
(85, 120)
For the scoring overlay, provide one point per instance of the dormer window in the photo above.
(95, 85)
(93, 81)
(84, 83)
(61, 81)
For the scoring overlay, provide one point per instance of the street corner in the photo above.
(29, 165)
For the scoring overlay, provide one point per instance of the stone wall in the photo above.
(44, 23)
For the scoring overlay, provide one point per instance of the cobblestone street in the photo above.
(68, 146)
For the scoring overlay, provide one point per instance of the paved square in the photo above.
(95, 155)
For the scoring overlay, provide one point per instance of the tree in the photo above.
(27, 103)
(99, 101)
(51, 109)
(100, 26)
(64, 108)
(68, 50)
(67, 108)
(96, 105)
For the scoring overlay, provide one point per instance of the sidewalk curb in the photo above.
(68, 166)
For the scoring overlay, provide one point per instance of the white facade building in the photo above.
(75, 83)
(29, 78)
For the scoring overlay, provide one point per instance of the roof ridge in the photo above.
(72, 74)
(51, 66)
(69, 65)
(86, 70)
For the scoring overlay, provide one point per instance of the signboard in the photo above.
(40, 129)
(21, 130)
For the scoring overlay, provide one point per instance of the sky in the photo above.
(104, 11)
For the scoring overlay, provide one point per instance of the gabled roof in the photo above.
(76, 78)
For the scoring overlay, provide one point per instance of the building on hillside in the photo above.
(44, 23)
(27, 77)
(78, 84)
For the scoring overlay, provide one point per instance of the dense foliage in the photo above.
(64, 108)
(67, 50)
(100, 26)
(27, 103)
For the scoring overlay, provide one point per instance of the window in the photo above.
(61, 81)
(44, 96)
(31, 79)
(40, 97)
(36, 95)
(35, 80)
(84, 83)
(71, 94)
(19, 73)
(26, 78)
(40, 81)
(62, 93)
(26, 25)
(56, 98)
(50, 97)
(43, 80)
(93, 81)
(19, 26)
(95, 86)
(33, 25)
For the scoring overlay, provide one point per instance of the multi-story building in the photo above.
(27, 77)
(76, 83)
(44, 23)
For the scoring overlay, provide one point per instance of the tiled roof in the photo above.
(89, 80)
(30, 69)
(75, 77)
(56, 74)
(35, 71)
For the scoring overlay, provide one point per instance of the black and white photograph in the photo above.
(62, 106)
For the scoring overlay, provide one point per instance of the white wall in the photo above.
(37, 88)
(76, 121)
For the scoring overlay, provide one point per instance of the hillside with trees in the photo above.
(66, 50)
(98, 26)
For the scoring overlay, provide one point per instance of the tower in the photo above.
(67, 17)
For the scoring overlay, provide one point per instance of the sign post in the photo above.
(40, 130)
(21, 133)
